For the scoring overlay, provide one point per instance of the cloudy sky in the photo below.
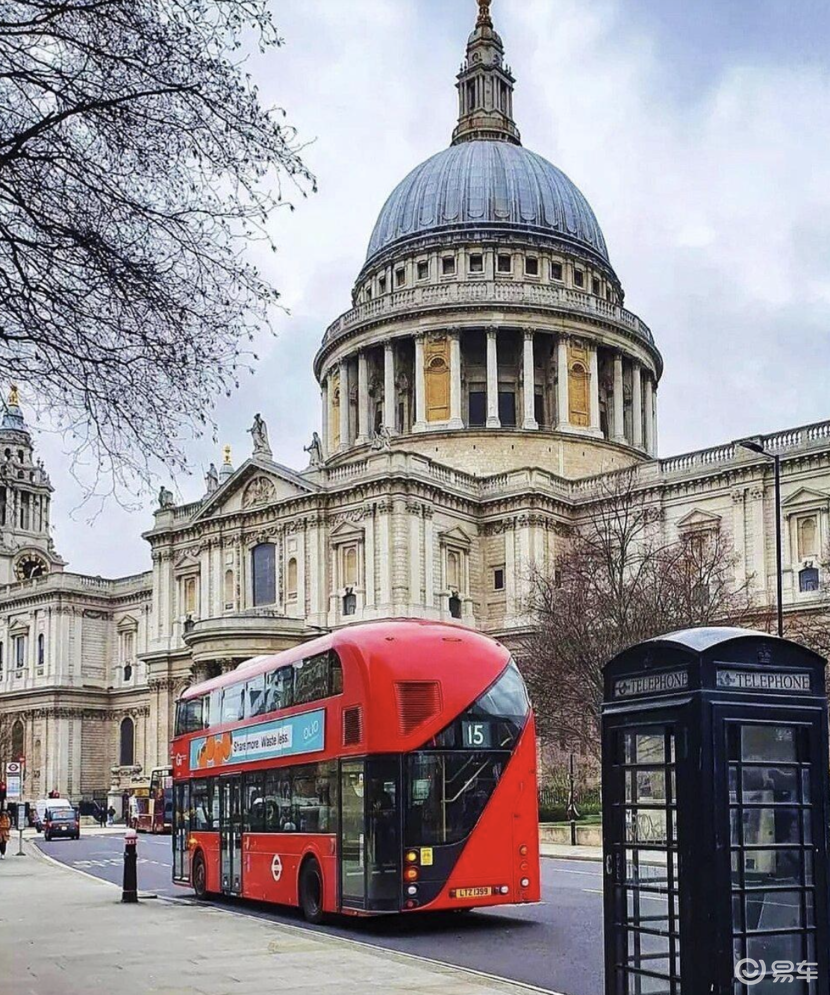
(697, 130)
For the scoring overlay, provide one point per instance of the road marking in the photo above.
(590, 874)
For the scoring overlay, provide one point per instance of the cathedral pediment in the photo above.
(698, 520)
(805, 498)
(257, 483)
(457, 537)
(345, 532)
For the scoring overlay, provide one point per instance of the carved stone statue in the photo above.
(165, 498)
(259, 434)
(259, 491)
(314, 450)
(382, 439)
(211, 479)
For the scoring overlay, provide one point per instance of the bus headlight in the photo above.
(412, 889)
(525, 882)
(412, 856)
(410, 874)
(523, 850)
(504, 889)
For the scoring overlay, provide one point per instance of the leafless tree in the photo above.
(136, 163)
(616, 582)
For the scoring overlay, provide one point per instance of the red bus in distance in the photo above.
(385, 767)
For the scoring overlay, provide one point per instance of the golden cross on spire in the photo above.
(484, 13)
(14, 395)
(226, 455)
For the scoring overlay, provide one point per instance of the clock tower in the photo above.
(26, 548)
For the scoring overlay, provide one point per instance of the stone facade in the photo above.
(474, 400)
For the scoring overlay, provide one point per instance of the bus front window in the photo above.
(448, 792)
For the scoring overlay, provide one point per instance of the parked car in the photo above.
(61, 822)
(43, 805)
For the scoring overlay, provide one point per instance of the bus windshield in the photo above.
(450, 781)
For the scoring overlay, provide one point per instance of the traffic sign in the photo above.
(14, 767)
(13, 787)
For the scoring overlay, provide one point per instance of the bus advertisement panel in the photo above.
(386, 767)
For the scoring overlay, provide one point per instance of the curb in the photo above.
(320, 934)
(572, 856)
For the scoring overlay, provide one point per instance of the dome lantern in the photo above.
(485, 87)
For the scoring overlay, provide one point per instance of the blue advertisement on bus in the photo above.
(304, 733)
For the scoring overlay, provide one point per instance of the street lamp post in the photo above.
(756, 447)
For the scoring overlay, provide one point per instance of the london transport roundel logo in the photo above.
(276, 867)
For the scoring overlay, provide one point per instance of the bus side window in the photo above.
(216, 707)
(311, 679)
(335, 673)
(255, 694)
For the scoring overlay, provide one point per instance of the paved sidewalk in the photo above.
(61, 931)
(562, 851)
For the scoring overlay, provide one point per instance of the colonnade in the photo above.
(600, 394)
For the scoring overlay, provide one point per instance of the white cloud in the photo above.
(716, 209)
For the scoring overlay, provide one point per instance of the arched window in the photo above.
(126, 753)
(579, 381)
(229, 592)
(41, 650)
(263, 561)
(807, 535)
(190, 595)
(18, 731)
(128, 672)
(349, 566)
(453, 570)
(291, 584)
(808, 579)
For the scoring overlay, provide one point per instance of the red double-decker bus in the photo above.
(386, 767)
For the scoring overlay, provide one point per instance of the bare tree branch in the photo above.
(137, 166)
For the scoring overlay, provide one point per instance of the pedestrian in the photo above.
(5, 831)
(110, 815)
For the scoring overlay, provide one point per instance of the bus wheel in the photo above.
(199, 877)
(311, 891)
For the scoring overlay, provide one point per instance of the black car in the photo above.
(61, 822)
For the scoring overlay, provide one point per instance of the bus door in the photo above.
(230, 833)
(352, 847)
(370, 848)
(181, 832)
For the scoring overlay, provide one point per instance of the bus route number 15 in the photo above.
(476, 735)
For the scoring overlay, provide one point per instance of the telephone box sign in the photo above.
(660, 683)
(763, 680)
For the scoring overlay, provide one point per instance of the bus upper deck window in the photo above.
(336, 679)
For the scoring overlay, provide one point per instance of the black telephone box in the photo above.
(715, 779)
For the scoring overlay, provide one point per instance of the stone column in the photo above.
(389, 386)
(420, 397)
(344, 404)
(618, 429)
(362, 398)
(593, 400)
(636, 406)
(492, 380)
(648, 403)
(529, 382)
(324, 422)
(455, 380)
(739, 534)
(562, 400)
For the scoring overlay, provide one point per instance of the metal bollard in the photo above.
(129, 888)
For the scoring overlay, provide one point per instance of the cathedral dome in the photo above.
(488, 186)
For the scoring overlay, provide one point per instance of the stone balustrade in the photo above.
(483, 293)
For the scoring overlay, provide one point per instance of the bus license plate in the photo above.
(473, 892)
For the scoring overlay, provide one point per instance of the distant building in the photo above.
(484, 381)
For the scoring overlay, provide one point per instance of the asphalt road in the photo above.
(556, 946)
